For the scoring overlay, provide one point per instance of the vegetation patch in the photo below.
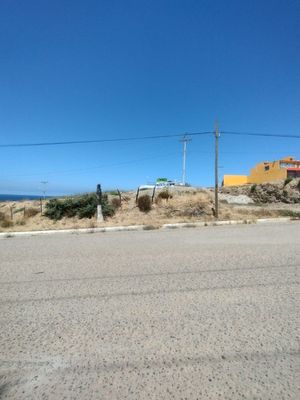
(150, 227)
(84, 206)
(31, 212)
(18, 210)
(6, 223)
(289, 213)
(165, 194)
(287, 181)
(144, 203)
(116, 203)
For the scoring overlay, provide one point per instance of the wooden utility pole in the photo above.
(217, 135)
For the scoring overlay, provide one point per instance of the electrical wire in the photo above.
(101, 140)
(260, 134)
(128, 139)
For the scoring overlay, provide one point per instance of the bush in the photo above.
(287, 180)
(164, 195)
(82, 206)
(253, 188)
(108, 210)
(6, 223)
(144, 203)
(2, 216)
(289, 213)
(116, 203)
(31, 212)
(21, 222)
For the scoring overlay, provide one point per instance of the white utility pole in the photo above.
(184, 140)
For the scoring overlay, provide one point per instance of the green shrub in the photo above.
(87, 211)
(84, 206)
(108, 210)
(287, 180)
(253, 188)
(144, 203)
(289, 213)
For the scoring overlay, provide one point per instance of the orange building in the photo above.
(267, 171)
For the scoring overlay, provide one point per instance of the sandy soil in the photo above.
(186, 205)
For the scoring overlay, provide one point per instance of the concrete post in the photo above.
(99, 214)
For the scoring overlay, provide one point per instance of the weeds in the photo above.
(289, 213)
(18, 210)
(116, 203)
(6, 223)
(31, 212)
(165, 194)
(149, 227)
(21, 222)
(144, 203)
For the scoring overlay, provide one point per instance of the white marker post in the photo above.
(99, 206)
(99, 214)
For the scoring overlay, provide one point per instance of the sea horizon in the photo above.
(19, 197)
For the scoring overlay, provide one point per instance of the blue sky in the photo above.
(75, 70)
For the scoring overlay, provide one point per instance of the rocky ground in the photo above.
(287, 192)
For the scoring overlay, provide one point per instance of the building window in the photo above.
(267, 167)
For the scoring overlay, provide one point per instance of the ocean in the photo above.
(18, 197)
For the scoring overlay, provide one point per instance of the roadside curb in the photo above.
(146, 227)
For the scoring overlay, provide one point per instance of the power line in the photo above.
(260, 134)
(99, 140)
(127, 139)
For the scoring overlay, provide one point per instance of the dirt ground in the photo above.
(186, 205)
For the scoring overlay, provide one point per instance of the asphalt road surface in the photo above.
(209, 313)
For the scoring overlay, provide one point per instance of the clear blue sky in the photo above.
(72, 70)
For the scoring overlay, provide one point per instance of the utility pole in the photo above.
(184, 140)
(217, 135)
(44, 183)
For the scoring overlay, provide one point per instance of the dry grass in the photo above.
(185, 206)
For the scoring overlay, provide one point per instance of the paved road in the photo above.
(210, 313)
